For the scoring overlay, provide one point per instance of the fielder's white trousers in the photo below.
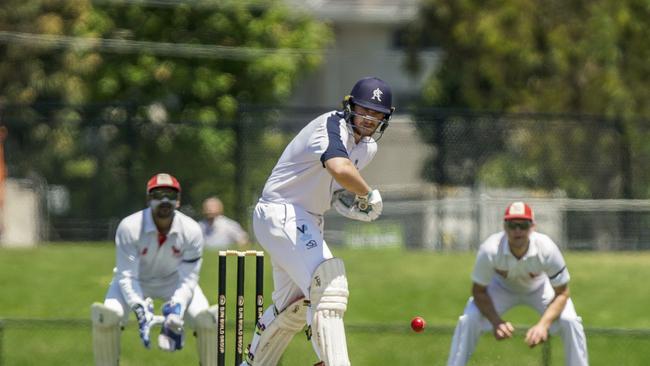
(472, 323)
(294, 240)
(115, 300)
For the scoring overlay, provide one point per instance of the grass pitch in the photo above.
(388, 288)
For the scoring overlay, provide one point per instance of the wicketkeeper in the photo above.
(158, 256)
(319, 168)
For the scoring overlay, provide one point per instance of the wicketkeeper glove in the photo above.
(144, 315)
(172, 336)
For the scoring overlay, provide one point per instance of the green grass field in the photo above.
(388, 288)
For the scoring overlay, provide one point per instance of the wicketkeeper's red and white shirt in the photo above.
(542, 262)
(144, 258)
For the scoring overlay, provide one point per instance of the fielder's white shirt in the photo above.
(222, 232)
(142, 261)
(300, 177)
(543, 261)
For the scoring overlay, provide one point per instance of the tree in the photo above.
(161, 92)
(585, 57)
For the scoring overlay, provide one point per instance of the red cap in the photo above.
(163, 180)
(519, 211)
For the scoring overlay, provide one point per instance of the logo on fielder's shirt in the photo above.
(376, 94)
(176, 251)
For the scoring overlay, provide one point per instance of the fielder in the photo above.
(319, 168)
(519, 266)
(158, 256)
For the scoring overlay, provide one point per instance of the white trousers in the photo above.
(472, 323)
(294, 240)
(115, 300)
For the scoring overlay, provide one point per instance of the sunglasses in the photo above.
(171, 195)
(523, 225)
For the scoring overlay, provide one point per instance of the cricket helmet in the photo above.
(163, 180)
(371, 93)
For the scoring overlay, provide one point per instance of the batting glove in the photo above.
(172, 336)
(144, 315)
(371, 204)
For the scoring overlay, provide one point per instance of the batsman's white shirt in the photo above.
(300, 177)
(141, 262)
(542, 261)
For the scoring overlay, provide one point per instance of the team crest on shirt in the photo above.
(176, 252)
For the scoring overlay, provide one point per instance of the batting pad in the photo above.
(274, 332)
(206, 334)
(329, 299)
(106, 335)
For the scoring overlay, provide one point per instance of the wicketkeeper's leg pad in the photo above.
(274, 332)
(329, 299)
(106, 335)
(206, 336)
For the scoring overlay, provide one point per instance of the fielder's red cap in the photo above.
(519, 211)
(163, 180)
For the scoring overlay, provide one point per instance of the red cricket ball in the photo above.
(417, 324)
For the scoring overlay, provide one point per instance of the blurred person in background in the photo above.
(219, 231)
(158, 256)
(519, 266)
(318, 169)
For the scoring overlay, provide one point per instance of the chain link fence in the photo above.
(447, 175)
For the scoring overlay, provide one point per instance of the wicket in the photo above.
(239, 308)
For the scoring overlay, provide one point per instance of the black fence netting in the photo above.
(89, 164)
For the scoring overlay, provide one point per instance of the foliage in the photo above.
(587, 57)
(118, 114)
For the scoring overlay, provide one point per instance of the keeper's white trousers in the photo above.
(472, 323)
(294, 240)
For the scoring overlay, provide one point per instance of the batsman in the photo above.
(318, 169)
(158, 256)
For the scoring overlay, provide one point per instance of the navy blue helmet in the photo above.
(371, 93)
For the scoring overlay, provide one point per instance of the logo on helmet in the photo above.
(376, 94)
